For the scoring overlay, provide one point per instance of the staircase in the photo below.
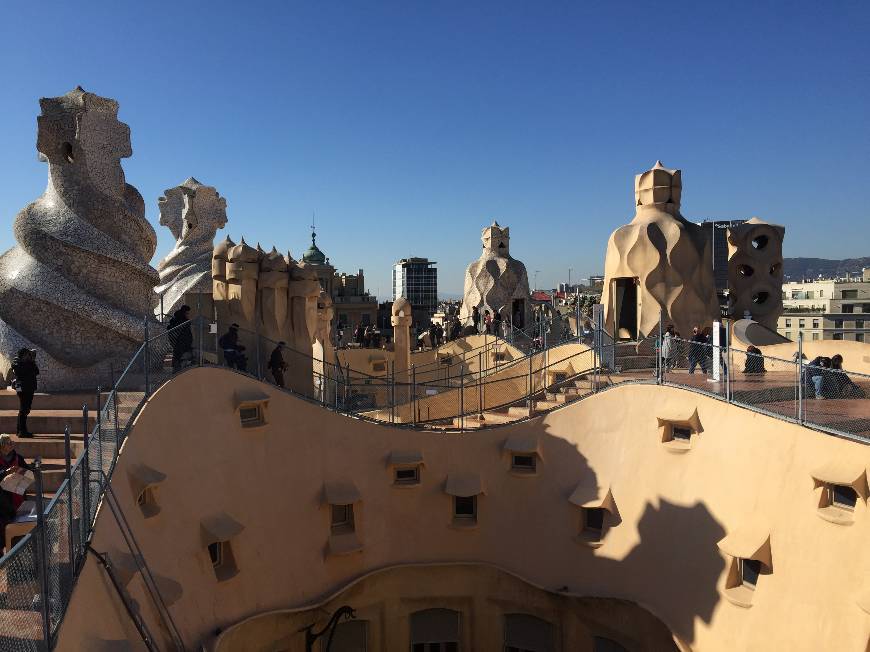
(543, 401)
(50, 414)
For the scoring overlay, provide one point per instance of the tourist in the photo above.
(433, 335)
(475, 319)
(817, 379)
(697, 351)
(842, 385)
(487, 322)
(180, 337)
(754, 361)
(233, 350)
(455, 329)
(277, 365)
(439, 334)
(668, 348)
(497, 323)
(10, 462)
(25, 372)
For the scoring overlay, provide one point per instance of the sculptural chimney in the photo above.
(193, 212)
(78, 285)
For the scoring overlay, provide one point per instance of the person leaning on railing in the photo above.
(843, 386)
(817, 379)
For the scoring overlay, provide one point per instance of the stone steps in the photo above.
(60, 401)
(46, 421)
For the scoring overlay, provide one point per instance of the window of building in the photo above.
(842, 496)
(525, 633)
(406, 474)
(821, 294)
(848, 308)
(811, 295)
(815, 323)
(788, 335)
(838, 323)
(147, 502)
(465, 509)
(815, 336)
(349, 636)
(220, 554)
(838, 336)
(859, 337)
(802, 323)
(342, 519)
(593, 520)
(676, 434)
(435, 630)
(604, 644)
(524, 462)
(859, 323)
(849, 294)
(749, 570)
(250, 415)
(749, 549)
(788, 323)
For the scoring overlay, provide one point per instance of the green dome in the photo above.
(314, 255)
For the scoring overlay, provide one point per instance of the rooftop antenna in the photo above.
(313, 234)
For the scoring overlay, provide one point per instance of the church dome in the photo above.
(314, 256)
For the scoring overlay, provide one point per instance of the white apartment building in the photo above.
(832, 309)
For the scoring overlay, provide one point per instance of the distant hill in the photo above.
(796, 269)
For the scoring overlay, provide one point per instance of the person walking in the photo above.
(487, 322)
(277, 365)
(233, 350)
(180, 337)
(25, 371)
(496, 323)
(697, 351)
(475, 319)
(668, 348)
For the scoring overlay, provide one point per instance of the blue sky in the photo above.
(409, 126)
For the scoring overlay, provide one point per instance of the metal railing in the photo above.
(40, 571)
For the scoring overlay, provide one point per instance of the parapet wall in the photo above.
(668, 508)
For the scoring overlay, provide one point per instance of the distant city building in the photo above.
(352, 303)
(716, 233)
(416, 279)
(596, 282)
(833, 309)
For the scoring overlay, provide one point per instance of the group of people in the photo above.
(824, 378)
(492, 323)
(367, 337)
(236, 358)
(700, 349)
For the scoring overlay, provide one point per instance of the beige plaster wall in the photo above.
(359, 360)
(660, 550)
